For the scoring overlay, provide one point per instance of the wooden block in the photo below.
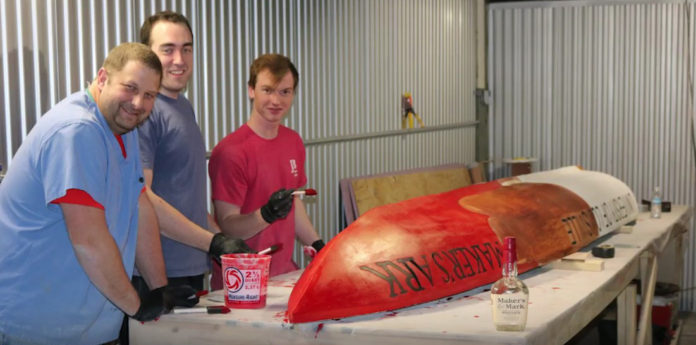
(477, 173)
(578, 256)
(625, 229)
(593, 265)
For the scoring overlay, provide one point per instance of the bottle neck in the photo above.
(510, 269)
(510, 257)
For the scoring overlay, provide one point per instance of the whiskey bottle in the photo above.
(509, 295)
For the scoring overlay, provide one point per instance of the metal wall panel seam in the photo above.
(222, 118)
(66, 52)
(202, 70)
(212, 88)
(20, 70)
(53, 84)
(4, 59)
(36, 53)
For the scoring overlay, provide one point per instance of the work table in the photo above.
(562, 302)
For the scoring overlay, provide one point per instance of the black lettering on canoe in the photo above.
(463, 252)
(499, 254)
(412, 276)
(446, 278)
(572, 235)
(586, 216)
(480, 252)
(598, 216)
(389, 277)
(423, 268)
(496, 254)
(467, 267)
(456, 266)
(605, 210)
(586, 223)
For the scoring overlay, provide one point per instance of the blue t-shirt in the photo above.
(172, 146)
(45, 295)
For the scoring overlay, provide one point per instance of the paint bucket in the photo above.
(245, 279)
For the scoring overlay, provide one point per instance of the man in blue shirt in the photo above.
(73, 216)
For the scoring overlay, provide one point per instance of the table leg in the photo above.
(648, 280)
(626, 316)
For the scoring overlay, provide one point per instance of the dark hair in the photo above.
(120, 55)
(277, 64)
(167, 16)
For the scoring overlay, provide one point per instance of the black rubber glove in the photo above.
(152, 306)
(179, 296)
(278, 205)
(317, 245)
(221, 244)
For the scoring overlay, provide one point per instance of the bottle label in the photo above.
(510, 309)
(656, 208)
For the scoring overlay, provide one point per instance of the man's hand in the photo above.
(278, 205)
(314, 249)
(221, 244)
(152, 306)
(162, 299)
(180, 296)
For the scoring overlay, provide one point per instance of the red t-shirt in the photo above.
(245, 169)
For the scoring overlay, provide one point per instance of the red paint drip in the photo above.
(283, 314)
(319, 327)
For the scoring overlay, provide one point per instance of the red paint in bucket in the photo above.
(245, 279)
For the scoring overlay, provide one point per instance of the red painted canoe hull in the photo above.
(435, 246)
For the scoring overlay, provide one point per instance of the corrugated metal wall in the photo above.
(606, 85)
(355, 59)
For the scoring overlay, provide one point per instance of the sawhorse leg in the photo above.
(626, 316)
(648, 277)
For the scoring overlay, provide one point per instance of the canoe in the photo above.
(431, 247)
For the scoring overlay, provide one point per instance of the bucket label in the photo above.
(243, 285)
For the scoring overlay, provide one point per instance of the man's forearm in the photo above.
(99, 256)
(303, 225)
(176, 226)
(148, 251)
(212, 224)
(242, 226)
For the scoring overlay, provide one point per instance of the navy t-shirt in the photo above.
(172, 146)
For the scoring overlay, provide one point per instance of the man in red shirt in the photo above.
(255, 169)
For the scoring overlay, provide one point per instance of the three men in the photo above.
(76, 213)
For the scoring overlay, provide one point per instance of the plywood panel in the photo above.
(381, 190)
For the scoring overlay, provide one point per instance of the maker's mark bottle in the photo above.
(509, 295)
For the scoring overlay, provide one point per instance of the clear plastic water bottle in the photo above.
(656, 204)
